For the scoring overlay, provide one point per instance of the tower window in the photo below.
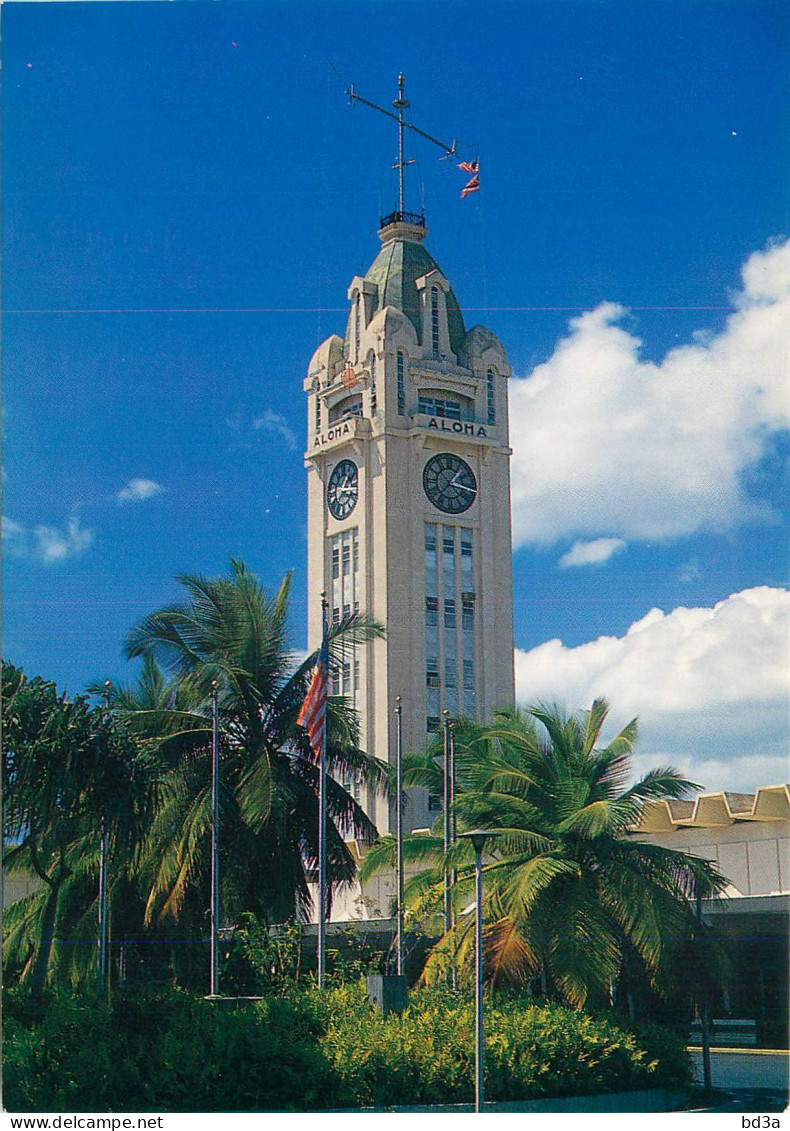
(449, 614)
(357, 327)
(374, 406)
(432, 671)
(469, 675)
(468, 616)
(346, 558)
(450, 678)
(431, 612)
(335, 562)
(435, 321)
(401, 386)
(490, 393)
(317, 413)
(437, 406)
(432, 724)
(349, 406)
(434, 800)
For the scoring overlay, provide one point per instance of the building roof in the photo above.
(394, 272)
(711, 810)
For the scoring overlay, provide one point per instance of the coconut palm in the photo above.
(568, 892)
(68, 776)
(229, 634)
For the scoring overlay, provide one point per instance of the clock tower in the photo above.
(409, 504)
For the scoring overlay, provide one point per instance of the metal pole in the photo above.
(101, 962)
(214, 961)
(705, 1019)
(400, 104)
(453, 830)
(478, 837)
(321, 958)
(479, 1054)
(101, 969)
(399, 830)
(446, 799)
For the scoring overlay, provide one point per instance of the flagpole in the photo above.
(446, 800)
(399, 828)
(214, 960)
(322, 823)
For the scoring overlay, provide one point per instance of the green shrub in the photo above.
(306, 1050)
(164, 1052)
(426, 1056)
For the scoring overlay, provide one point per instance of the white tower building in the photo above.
(409, 503)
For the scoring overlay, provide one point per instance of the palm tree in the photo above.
(568, 894)
(67, 774)
(231, 635)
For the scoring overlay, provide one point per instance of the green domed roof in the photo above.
(394, 272)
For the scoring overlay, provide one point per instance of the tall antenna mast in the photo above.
(400, 104)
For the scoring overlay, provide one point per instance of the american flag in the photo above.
(312, 715)
(470, 186)
(469, 166)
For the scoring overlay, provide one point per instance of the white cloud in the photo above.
(48, 544)
(276, 424)
(597, 552)
(606, 443)
(136, 490)
(711, 686)
(52, 545)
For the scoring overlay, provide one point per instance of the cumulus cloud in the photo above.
(607, 443)
(275, 424)
(137, 490)
(596, 552)
(711, 686)
(48, 544)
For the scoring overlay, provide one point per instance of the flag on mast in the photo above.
(469, 166)
(312, 715)
(471, 186)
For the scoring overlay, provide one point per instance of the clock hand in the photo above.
(454, 483)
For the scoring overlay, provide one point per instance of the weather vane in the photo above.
(400, 104)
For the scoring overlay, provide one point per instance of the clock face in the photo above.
(342, 489)
(449, 483)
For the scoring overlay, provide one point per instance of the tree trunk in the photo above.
(39, 977)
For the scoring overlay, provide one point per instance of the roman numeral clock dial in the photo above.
(449, 483)
(342, 490)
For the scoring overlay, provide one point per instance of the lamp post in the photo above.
(399, 831)
(478, 838)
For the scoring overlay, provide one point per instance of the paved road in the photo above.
(734, 1070)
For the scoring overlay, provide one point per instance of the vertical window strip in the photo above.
(317, 412)
(357, 327)
(374, 406)
(401, 386)
(435, 321)
(490, 392)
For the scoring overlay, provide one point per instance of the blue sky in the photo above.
(187, 195)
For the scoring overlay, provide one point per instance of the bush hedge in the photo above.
(305, 1051)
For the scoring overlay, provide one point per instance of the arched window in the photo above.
(373, 397)
(357, 327)
(317, 411)
(349, 406)
(401, 385)
(490, 393)
(435, 321)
